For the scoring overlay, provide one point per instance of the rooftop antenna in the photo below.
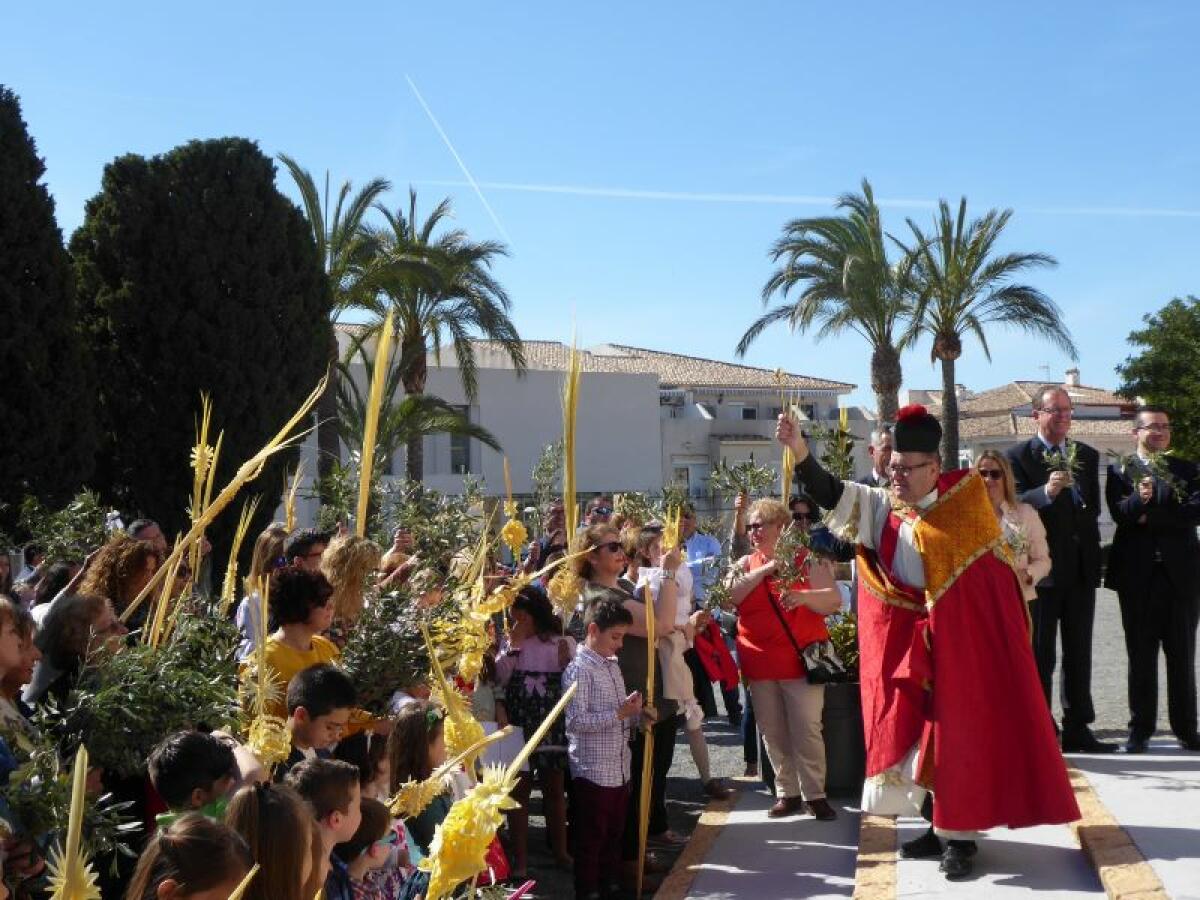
(1045, 367)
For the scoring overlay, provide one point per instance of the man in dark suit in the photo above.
(1154, 567)
(1069, 505)
(880, 451)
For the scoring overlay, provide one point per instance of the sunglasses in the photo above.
(610, 546)
(801, 517)
(388, 839)
(755, 526)
(993, 474)
(602, 511)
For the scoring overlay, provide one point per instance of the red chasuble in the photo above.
(953, 668)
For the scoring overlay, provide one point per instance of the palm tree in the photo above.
(344, 255)
(960, 287)
(848, 284)
(413, 417)
(440, 288)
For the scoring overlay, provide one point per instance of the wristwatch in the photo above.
(668, 575)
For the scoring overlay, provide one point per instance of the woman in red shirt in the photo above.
(787, 707)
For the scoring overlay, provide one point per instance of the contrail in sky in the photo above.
(458, 159)
(795, 199)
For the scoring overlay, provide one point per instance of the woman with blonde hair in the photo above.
(787, 708)
(1022, 526)
(267, 557)
(347, 563)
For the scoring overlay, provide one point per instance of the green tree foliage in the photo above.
(1167, 370)
(845, 282)
(196, 274)
(49, 436)
(441, 288)
(402, 418)
(963, 285)
(337, 231)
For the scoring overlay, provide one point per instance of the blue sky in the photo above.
(639, 159)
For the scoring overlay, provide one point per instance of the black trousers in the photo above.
(1160, 615)
(664, 752)
(1071, 610)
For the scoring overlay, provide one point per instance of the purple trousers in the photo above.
(599, 820)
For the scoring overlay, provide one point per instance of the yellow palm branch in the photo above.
(247, 472)
(70, 874)
(383, 348)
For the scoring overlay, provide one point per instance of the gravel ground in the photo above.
(1110, 668)
(685, 802)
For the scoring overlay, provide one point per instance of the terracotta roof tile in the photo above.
(1016, 394)
(677, 370)
(674, 370)
(986, 426)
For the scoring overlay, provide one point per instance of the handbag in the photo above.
(820, 659)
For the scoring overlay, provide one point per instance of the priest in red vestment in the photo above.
(952, 704)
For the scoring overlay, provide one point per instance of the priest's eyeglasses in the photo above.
(905, 471)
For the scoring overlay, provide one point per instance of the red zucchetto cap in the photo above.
(916, 430)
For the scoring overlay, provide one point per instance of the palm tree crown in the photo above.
(840, 264)
(441, 288)
(960, 286)
(338, 237)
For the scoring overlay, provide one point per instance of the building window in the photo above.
(749, 412)
(460, 447)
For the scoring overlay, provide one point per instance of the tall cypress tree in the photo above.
(196, 274)
(46, 397)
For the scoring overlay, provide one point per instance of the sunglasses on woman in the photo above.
(610, 546)
(994, 474)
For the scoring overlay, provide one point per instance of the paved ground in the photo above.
(1154, 797)
(755, 856)
(686, 802)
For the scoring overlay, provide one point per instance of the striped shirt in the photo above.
(597, 741)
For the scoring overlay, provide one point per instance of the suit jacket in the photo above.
(869, 480)
(1071, 519)
(1162, 530)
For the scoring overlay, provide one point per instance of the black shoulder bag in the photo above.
(820, 660)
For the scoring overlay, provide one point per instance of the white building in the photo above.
(636, 407)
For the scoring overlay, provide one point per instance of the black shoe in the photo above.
(1135, 745)
(1190, 743)
(927, 846)
(1083, 741)
(956, 860)
(822, 810)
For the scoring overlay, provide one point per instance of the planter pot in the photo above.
(845, 748)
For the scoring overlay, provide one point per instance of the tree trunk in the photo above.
(949, 416)
(329, 449)
(414, 383)
(886, 378)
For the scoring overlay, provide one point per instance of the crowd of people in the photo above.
(726, 612)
